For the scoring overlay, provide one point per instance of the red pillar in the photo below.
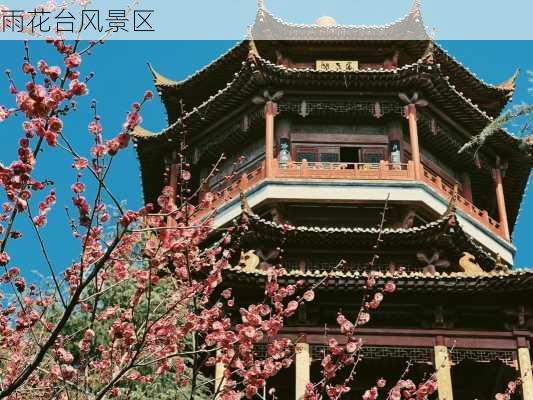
(270, 113)
(500, 199)
(413, 138)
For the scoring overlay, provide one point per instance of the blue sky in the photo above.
(122, 77)
(227, 20)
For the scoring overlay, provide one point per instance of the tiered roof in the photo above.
(444, 233)
(409, 32)
(500, 280)
(256, 73)
(229, 82)
(513, 281)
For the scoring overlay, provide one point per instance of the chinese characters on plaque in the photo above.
(337, 65)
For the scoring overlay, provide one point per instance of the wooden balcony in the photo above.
(383, 171)
(350, 171)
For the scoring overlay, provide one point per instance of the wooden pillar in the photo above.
(413, 138)
(467, 186)
(443, 368)
(270, 113)
(303, 369)
(524, 363)
(500, 199)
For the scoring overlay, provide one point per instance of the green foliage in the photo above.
(163, 387)
(478, 141)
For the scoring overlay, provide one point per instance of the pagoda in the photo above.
(342, 143)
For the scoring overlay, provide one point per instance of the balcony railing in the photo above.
(461, 203)
(383, 171)
(351, 171)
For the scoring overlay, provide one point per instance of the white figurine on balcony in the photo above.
(395, 155)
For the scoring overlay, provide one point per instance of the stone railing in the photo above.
(384, 171)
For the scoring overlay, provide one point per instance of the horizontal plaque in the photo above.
(337, 65)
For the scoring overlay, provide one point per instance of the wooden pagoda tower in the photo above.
(331, 128)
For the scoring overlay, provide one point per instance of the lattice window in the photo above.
(508, 357)
(328, 263)
(414, 354)
(308, 107)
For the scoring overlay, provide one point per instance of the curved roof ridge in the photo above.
(510, 84)
(498, 87)
(302, 228)
(159, 79)
(414, 11)
(260, 61)
(205, 68)
(468, 100)
(477, 108)
(139, 131)
(197, 109)
(493, 275)
(480, 111)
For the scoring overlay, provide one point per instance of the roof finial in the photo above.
(326, 21)
(261, 5)
(429, 54)
(245, 206)
(160, 79)
(510, 84)
(152, 70)
(415, 8)
(453, 200)
(139, 131)
(499, 265)
(252, 48)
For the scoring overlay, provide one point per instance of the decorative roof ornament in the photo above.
(415, 8)
(413, 100)
(432, 263)
(139, 131)
(160, 80)
(267, 97)
(469, 265)
(409, 27)
(326, 21)
(500, 265)
(245, 206)
(249, 261)
(261, 5)
(510, 84)
(253, 52)
(453, 201)
(429, 54)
